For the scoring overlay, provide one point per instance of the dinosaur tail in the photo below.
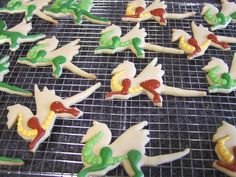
(13, 89)
(162, 49)
(157, 160)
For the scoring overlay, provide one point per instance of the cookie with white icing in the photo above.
(8, 161)
(219, 20)
(220, 79)
(137, 11)
(36, 128)
(111, 42)
(100, 156)
(196, 45)
(5, 87)
(125, 85)
(18, 34)
(225, 139)
(76, 9)
(29, 8)
(46, 53)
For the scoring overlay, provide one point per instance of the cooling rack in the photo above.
(180, 123)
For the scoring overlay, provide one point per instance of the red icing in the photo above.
(58, 107)
(138, 11)
(159, 13)
(34, 124)
(126, 83)
(193, 42)
(214, 39)
(151, 85)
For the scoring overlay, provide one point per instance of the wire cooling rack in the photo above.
(180, 123)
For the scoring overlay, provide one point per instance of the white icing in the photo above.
(123, 144)
(151, 71)
(43, 109)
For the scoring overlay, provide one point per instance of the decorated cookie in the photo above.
(100, 157)
(225, 149)
(45, 53)
(125, 85)
(219, 77)
(219, 20)
(137, 11)
(11, 161)
(4, 87)
(76, 9)
(202, 38)
(18, 34)
(29, 7)
(111, 42)
(37, 128)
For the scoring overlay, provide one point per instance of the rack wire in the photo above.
(180, 123)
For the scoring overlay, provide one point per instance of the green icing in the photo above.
(34, 51)
(11, 160)
(6, 87)
(57, 62)
(78, 9)
(4, 64)
(14, 36)
(134, 157)
(233, 15)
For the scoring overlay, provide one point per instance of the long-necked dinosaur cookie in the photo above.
(202, 38)
(5, 87)
(17, 34)
(225, 139)
(29, 7)
(11, 161)
(125, 85)
(36, 128)
(45, 53)
(100, 157)
(137, 11)
(219, 20)
(77, 9)
(111, 42)
(219, 77)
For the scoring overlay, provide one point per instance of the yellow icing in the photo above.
(33, 133)
(146, 14)
(130, 9)
(226, 156)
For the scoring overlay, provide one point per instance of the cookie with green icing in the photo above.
(18, 34)
(219, 19)
(5, 87)
(29, 8)
(46, 53)
(220, 79)
(100, 156)
(76, 9)
(11, 161)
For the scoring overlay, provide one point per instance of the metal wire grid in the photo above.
(180, 123)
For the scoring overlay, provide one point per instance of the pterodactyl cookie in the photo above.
(111, 42)
(11, 161)
(17, 34)
(76, 9)
(4, 87)
(219, 20)
(137, 11)
(29, 8)
(36, 128)
(202, 39)
(225, 139)
(220, 79)
(100, 156)
(125, 85)
(46, 53)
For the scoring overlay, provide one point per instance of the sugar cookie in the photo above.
(37, 128)
(219, 77)
(100, 157)
(18, 34)
(11, 161)
(125, 85)
(29, 8)
(111, 42)
(46, 53)
(219, 20)
(202, 38)
(76, 9)
(137, 11)
(225, 149)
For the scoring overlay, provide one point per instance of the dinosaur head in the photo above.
(216, 62)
